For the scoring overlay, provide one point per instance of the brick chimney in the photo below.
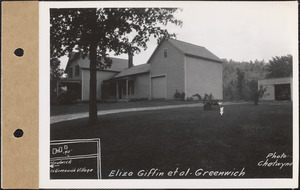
(130, 60)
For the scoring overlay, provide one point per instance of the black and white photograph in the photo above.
(158, 92)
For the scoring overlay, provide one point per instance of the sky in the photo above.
(241, 31)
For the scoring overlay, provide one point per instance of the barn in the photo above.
(184, 67)
(174, 66)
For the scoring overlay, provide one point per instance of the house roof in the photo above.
(191, 50)
(117, 65)
(144, 68)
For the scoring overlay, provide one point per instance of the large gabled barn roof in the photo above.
(191, 50)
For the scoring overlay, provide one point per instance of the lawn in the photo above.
(84, 107)
(190, 138)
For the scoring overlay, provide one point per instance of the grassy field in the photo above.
(84, 107)
(190, 138)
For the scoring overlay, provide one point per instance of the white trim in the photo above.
(184, 74)
(150, 86)
(81, 84)
(166, 86)
(161, 75)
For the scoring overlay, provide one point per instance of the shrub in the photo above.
(211, 106)
(66, 97)
(189, 99)
(182, 95)
(256, 93)
(208, 97)
(179, 96)
(198, 96)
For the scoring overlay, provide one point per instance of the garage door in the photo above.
(158, 87)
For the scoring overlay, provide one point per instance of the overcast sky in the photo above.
(239, 31)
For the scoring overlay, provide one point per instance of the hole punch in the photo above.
(18, 133)
(19, 52)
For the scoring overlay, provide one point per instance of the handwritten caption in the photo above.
(177, 172)
(273, 159)
(55, 167)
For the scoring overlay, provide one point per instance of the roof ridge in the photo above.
(117, 58)
(136, 66)
(75, 53)
(141, 64)
(195, 50)
(185, 42)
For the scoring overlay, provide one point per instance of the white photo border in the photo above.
(44, 112)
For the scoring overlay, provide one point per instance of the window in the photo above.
(76, 70)
(165, 53)
(70, 72)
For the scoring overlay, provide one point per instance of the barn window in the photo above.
(165, 53)
(76, 70)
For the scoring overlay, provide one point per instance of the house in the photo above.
(173, 66)
(277, 88)
(131, 83)
(78, 75)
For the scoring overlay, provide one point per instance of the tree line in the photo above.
(240, 78)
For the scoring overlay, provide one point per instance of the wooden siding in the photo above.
(141, 86)
(269, 93)
(101, 75)
(203, 76)
(172, 67)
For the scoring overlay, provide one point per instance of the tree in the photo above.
(280, 67)
(95, 32)
(256, 93)
(237, 77)
(240, 83)
(55, 75)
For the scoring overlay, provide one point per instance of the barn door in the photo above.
(158, 87)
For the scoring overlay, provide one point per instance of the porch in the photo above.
(71, 86)
(118, 89)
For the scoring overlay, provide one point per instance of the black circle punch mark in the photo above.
(18, 133)
(19, 52)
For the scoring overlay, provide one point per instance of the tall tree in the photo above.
(95, 32)
(280, 67)
(255, 92)
(55, 74)
(240, 83)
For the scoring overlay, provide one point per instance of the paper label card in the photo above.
(75, 159)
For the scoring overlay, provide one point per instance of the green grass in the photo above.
(190, 138)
